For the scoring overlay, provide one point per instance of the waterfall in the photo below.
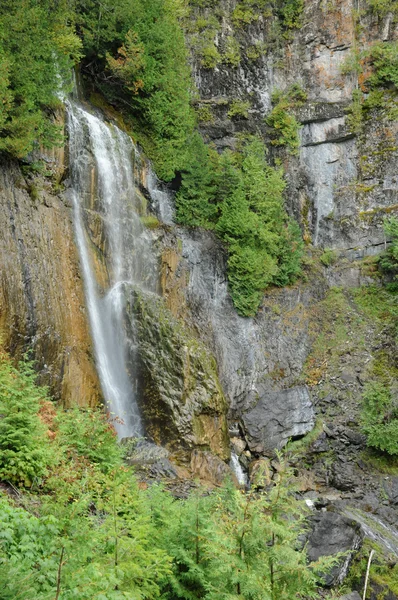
(238, 470)
(101, 157)
(160, 198)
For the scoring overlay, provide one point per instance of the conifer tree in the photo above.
(195, 199)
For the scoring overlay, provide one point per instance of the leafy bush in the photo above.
(194, 201)
(88, 434)
(230, 545)
(291, 12)
(241, 197)
(210, 56)
(389, 260)
(282, 120)
(95, 533)
(379, 417)
(231, 54)
(24, 446)
(329, 257)
(384, 59)
(239, 108)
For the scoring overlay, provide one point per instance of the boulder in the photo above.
(183, 404)
(330, 534)
(391, 488)
(210, 468)
(351, 596)
(149, 458)
(344, 477)
(277, 417)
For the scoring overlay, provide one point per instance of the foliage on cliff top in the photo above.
(86, 529)
(240, 196)
(133, 51)
(37, 50)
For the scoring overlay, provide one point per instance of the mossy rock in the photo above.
(183, 400)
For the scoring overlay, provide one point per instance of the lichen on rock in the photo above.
(183, 403)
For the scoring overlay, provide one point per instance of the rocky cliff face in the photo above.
(41, 294)
(341, 182)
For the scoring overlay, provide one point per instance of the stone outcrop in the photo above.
(41, 291)
(277, 417)
(259, 359)
(342, 182)
(183, 403)
(330, 534)
(210, 468)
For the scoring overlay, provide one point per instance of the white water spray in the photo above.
(238, 470)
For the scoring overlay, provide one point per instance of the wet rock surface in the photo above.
(183, 401)
(149, 460)
(330, 534)
(42, 303)
(210, 468)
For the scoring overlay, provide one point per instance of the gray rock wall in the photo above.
(342, 184)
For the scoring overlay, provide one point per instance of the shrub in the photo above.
(241, 196)
(389, 260)
(282, 120)
(239, 108)
(231, 55)
(24, 446)
(329, 257)
(379, 417)
(87, 433)
(210, 56)
(37, 46)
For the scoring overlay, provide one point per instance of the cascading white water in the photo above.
(104, 150)
(160, 198)
(238, 470)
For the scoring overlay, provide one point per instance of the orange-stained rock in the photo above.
(210, 468)
(41, 289)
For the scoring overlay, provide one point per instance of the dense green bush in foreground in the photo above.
(77, 525)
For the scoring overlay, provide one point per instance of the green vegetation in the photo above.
(84, 529)
(383, 574)
(282, 120)
(150, 221)
(389, 260)
(37, 50)
(241, 196)
(289, 13)
(24, 450)
(380, 417)
(231, 54)
(239, 108)
(134, 54)
(376, 68)
(328, 257)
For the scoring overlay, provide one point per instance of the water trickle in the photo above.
(161, 199)
(101, 157)
(238, 469)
